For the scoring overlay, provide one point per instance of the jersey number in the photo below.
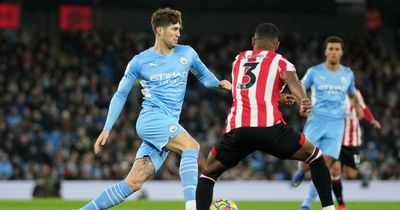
(249, 78)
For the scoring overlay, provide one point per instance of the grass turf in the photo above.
(57, 204)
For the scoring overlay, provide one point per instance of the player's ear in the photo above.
(253, 41)
(159, 30)
(277, 43)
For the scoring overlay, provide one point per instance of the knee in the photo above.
(195, 146)
(134, 184)
(192, 145)
(335, 169)
(351, 174)
(335, 172)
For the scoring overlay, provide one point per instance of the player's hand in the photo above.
(101, 140)
(286, 98)
(305, 107)
(376, 124)
(225, 84)
(360, 113)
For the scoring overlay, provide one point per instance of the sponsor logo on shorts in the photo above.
(172, 128)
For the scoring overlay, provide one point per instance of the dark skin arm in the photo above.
(297, 89)
(287, 99)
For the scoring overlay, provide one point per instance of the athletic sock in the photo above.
(188, 171)
(311, 195)
(111, 196)
(338, 189)
(322, 180)
(204, 191)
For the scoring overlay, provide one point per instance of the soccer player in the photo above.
(162, 70)
(330, 82)
(349, 158)
(254, 121)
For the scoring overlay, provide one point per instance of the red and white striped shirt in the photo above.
(352, 129)
(256, 86)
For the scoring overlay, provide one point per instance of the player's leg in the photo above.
(141, 171)
(314, 130)
(336, 171)
(207, 179)
(312, 190)
(337, 186)
(329, 144)
(291, 144)
(298, 177)
(319, 173)
(188, 148)
(163, 132)
(227, 153)
(349, 158)
(350, 172)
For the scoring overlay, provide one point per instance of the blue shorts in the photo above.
(326, 134)
(155, 128)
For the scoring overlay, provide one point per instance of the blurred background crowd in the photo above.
(55, 89)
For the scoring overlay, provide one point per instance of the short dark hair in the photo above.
(334, 39)
(164, 17)
(266, 31)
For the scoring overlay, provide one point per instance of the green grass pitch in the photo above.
(56, 204)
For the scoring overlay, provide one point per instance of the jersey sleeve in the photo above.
(284, 66)
(368, 114)
(202, 73)
(352, 86)
(307, 79)
(118, 100)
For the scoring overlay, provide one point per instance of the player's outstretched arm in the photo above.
(116, 105)
(371, 118)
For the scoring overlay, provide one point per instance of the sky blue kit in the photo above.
(325, 125)
(163, 79)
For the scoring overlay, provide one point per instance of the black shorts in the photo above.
(278, 140)
(350, 156)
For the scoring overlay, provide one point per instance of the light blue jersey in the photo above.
(329, 90)
(163, 78)
(325, 125)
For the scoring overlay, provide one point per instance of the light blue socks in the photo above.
(312, 194)
(188, 171)
(111, 196)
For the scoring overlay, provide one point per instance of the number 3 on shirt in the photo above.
(249, 78)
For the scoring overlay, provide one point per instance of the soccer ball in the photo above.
(223, 204)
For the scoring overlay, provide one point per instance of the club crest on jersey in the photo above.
(172, 128)
(343, 79)
(183, 60)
